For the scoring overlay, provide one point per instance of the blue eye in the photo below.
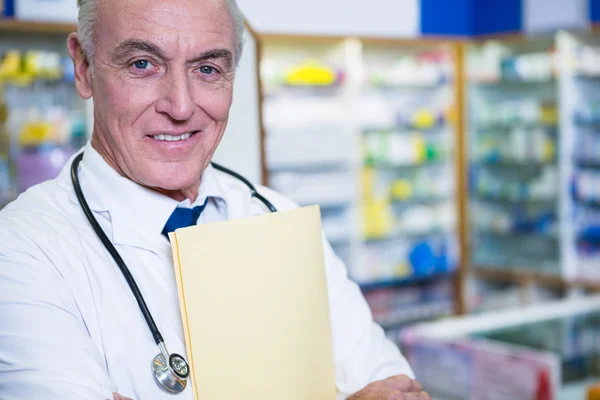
(142, 64)
(205, 69)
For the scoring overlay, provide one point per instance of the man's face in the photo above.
(162, 87)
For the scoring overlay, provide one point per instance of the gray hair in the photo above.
(88, 14)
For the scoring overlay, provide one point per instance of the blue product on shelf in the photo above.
(590, 234)
(422, 259)
(68, 69)
(78, 132)
(442, 263)
(9, 8)
(5, 185)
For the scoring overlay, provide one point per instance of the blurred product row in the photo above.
(42, 120)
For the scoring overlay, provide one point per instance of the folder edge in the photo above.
(183, 309)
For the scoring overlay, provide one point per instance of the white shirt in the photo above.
(70, 327)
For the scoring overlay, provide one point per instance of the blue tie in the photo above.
(182, 218)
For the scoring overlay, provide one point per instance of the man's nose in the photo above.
(176, 98)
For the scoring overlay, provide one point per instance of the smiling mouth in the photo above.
(163, 137)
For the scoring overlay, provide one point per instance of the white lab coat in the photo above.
(70, 327)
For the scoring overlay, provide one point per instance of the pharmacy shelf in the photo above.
(303, 91)
(405, 281)
(503, 199)
(416, 86)
(516, 234)
(520, 275)
(587, 163)
(514, 82)
(16, 26)
(493, 161)
(519, 116)
(408, 235)
(416, 313)
(581, 124)
(409, 111)
(35, 99)
(418, 200)
(397, 166)
(497, 128)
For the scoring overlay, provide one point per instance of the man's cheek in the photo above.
(218, 105)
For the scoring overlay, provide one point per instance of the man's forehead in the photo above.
(163, 23)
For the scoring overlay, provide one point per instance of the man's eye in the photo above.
(208, 70)
(142, 64)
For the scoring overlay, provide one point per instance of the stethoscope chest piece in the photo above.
(171, 375)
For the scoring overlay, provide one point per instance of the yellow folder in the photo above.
(254, 305)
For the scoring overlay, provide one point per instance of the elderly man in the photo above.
(161, 75)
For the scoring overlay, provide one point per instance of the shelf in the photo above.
(511, 201)
(11, 25)
(591, 164)
(584, 75)
(587, 203)
(379, 165)
(406, 235)
(520, 276)
(405, 281)
(528, 277)
(516, 163)
(595, 126)
(415, 313)
(512, 82)
(322, 201)
(413, 201)
(315, 90)
(309, 165)
(404, 129)
(507, 126)
(516, 235)
(408, 86)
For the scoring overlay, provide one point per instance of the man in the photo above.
(161, 76)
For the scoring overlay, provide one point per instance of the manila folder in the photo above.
(254, 305)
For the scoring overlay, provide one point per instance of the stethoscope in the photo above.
(170, 370)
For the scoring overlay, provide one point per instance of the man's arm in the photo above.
(399, 387)
(45, 349)
(362, 353)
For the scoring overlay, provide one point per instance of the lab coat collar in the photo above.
(138, 214)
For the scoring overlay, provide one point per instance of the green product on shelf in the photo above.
(376, 148)
(432, 153)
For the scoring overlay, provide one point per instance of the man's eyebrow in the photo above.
(223, 54)
(130, 45)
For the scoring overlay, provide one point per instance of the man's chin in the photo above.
(171, 178)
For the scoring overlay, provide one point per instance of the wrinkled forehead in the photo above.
(189, 22)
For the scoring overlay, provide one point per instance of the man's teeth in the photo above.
(170, 138)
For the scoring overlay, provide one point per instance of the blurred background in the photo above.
(453, 146)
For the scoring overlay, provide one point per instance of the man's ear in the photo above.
(83, 71)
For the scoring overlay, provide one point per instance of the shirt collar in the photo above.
(138, 214)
